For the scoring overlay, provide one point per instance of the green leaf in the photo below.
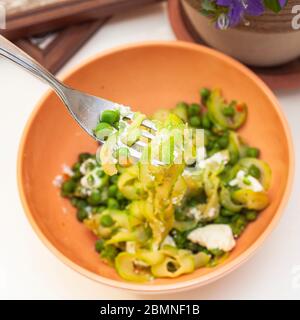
(208, 5)
(273, 5)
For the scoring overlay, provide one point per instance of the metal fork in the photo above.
(84, 108)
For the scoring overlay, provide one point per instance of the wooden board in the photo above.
(53, 50)
(61, 13)
(286, 76)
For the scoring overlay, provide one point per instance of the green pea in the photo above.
(228, 111)
(252, 152)
(98, 209)
(112, 203)
(84, 156)
(194, 247)
(99, 245)
(210, 145)
(100, 173)
(112, 190)
(223, 141)
(81, 214)
(195, 121)
(217, 252)
(77, 175)
(95, 198)
(76, 166)
(254, 171)
(74, 202)
(106, 221)
(68, 187)
(103, 130)
(206, 123)
(222, 220)
(180, 239)
(109, 252)
(110, 116)
(217, 146)
(226, 213)
(120, 195)
(205, 93)
(193, 109)
(104, 196)
(79, 203)
(114, 178)
(238, 225)
(251, 215)
(179, 214)
(193, 202)
(237, 231)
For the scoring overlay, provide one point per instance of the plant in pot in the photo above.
(257, 32)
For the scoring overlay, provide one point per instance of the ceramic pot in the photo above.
(268, 40)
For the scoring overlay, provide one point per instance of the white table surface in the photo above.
(28, 270)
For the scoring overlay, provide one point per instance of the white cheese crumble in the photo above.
(124, 110)
(195, 213)
(199, 213)
(168, 241)
(67, 170)
(214, 236)
(219, 158)
(244, 181)
(211, 212)
(58, 181)
(130, 247)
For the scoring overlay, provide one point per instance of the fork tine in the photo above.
(137, 155)
(149, 124)
(147, 134)
(134, 153)
(140, 144)
(146, 123)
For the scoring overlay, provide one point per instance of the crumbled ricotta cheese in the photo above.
(250, 184)
(58, 181)
(195, 213)
(124, 110)
(168, 241)
(130, 247)
(211, 212)
(199, 213)
(219, 158)
(214, 236)
(67, 170)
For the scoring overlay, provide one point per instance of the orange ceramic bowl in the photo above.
(147, 77)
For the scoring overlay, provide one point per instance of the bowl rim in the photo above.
(189, 284)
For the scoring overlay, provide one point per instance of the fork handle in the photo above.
(18, 56)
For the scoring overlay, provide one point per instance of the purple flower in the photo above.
(237, 9)
(282, 3)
